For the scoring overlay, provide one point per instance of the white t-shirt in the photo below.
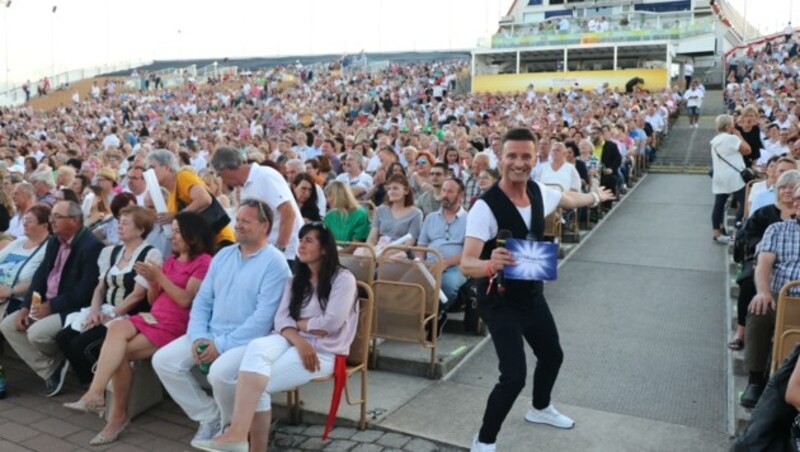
(267, 185)
(482, 225)
(566, 176)
(694, 97)
(13, 256)
(363, 180)
(15, 226)
(688, 70)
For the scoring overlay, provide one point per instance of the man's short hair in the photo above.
(458, 182)
(226, 158)
(163, 157)
(265, 214)
(519, 134)
(357, 157)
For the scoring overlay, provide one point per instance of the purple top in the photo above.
(339, 320)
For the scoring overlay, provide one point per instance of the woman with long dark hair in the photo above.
(305, 193)
(170, 292)
(316, 321)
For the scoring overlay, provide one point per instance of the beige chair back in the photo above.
(787, 324)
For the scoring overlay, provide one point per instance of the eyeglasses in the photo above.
(437, 174)
(256, 204)
(422, 162)
(56, 217)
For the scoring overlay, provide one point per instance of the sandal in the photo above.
(736, 344)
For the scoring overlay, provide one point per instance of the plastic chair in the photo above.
(361, 262)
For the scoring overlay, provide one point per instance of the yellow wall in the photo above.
(654, 79)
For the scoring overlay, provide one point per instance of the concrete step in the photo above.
(741, 415)
(413, 359)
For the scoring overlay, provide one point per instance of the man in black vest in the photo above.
(519, 205)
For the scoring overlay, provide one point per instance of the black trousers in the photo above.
(747, 290)
(509, 324)
(82, 349)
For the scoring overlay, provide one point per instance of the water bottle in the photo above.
(201, 347)
(2, 383)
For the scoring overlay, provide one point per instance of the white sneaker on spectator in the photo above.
(206, 431)
(549, 416)
(478, 446)
(723, 239)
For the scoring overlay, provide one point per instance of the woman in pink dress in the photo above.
(138, 337)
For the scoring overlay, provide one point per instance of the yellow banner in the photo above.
(654, 79)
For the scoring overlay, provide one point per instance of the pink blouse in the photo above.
(339, 319)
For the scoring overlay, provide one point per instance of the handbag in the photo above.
(746, 174)
(215, 215)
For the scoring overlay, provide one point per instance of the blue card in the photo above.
(536, 261)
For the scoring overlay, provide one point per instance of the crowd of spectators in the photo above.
(258, 160)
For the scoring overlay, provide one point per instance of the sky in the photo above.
(88, 33)
(769, 16)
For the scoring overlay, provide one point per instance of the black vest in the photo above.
(508, 217)
(125, 281)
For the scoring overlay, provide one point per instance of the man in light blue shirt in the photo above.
(236, 303)
(444, 230)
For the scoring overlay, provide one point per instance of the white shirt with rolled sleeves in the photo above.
(267, 185)
(363, 180)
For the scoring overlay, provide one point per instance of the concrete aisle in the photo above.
(640, 309)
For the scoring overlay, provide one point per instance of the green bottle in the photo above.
(201, 347)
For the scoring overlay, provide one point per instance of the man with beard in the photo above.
(444, 230)
(607, 153)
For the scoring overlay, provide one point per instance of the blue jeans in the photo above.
(452, 280)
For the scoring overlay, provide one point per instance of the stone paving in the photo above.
(29, 421)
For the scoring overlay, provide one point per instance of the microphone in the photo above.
(502, 236)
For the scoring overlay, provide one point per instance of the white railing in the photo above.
(16, 96)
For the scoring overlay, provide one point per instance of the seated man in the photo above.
(235, 304)
(65, 281)
(359, 181)
(430, 200)
(776, 265)
(444, 231)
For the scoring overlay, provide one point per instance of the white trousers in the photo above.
(274, 357)
(173, 364)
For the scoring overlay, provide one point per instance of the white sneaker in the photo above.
(549, 416)
(206, 431)
(478, 446)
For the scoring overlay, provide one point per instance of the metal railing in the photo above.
(647, 30)
(16, 96)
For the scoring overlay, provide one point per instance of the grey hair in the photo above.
(296, 164)
(226, 158)
(791, 177)
(357, 157)
(45, 177)
(27, 187)
(722, 122)
(74, 210)
(163, 157)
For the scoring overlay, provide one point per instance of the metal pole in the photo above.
(8, 83)
(53, 45)
(518, 58)
(744, 22)
(615, 58)
(565, 60)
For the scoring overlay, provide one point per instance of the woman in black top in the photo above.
(305, 193)
(747, 125)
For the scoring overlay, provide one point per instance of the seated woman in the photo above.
(99, 210)
(316, 320)
(120, 291)
(20, 259)
(486, 179)
(108, 232)
(347, 220)
(558, 171)
(397, 216)
(171, 291)
(305, 193)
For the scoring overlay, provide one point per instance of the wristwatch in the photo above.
(281, 248)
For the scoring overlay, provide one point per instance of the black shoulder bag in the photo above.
(746, 174)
